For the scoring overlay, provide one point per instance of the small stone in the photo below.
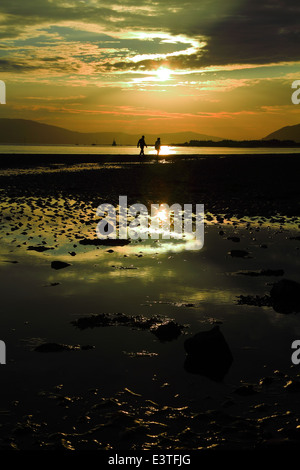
(59, 265)
(239, 253)
(167, 331)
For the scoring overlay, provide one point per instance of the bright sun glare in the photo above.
(162, 215)
(163, 74)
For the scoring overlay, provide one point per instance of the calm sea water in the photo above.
(132, 150)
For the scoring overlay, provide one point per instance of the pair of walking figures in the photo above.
(142, 144)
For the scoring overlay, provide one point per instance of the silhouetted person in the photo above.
(157, 145)
(142, 144)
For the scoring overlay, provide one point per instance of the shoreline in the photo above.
(9, 159)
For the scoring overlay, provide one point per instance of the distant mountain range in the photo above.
(23, 131)
(286, 133)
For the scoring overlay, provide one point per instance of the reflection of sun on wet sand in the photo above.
(227, 297)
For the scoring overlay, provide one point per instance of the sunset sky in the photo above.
(218, 67)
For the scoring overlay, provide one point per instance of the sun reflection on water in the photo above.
(165, 150)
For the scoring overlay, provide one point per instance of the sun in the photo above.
(163, 74)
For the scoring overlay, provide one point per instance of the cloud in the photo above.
(12, 66)
(236, 31)
(261, 32)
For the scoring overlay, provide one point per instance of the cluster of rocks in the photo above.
(284, 297)
(163, 328)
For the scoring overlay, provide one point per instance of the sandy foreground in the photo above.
(100, 340)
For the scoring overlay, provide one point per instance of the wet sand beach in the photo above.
(148, 345)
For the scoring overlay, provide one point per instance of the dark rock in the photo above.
(87, 347)
(285, 296)
(208, 354)
(167, 331)
(271, 272)
(59, 264)
(234, 239)
(92, 321)
(40, 249)
(263, 272)
(256, 300)
(119, 319)
(106, 242)
(55, 347)
(239, 253)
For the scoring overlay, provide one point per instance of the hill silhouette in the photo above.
(285, 133)
(24, 131)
